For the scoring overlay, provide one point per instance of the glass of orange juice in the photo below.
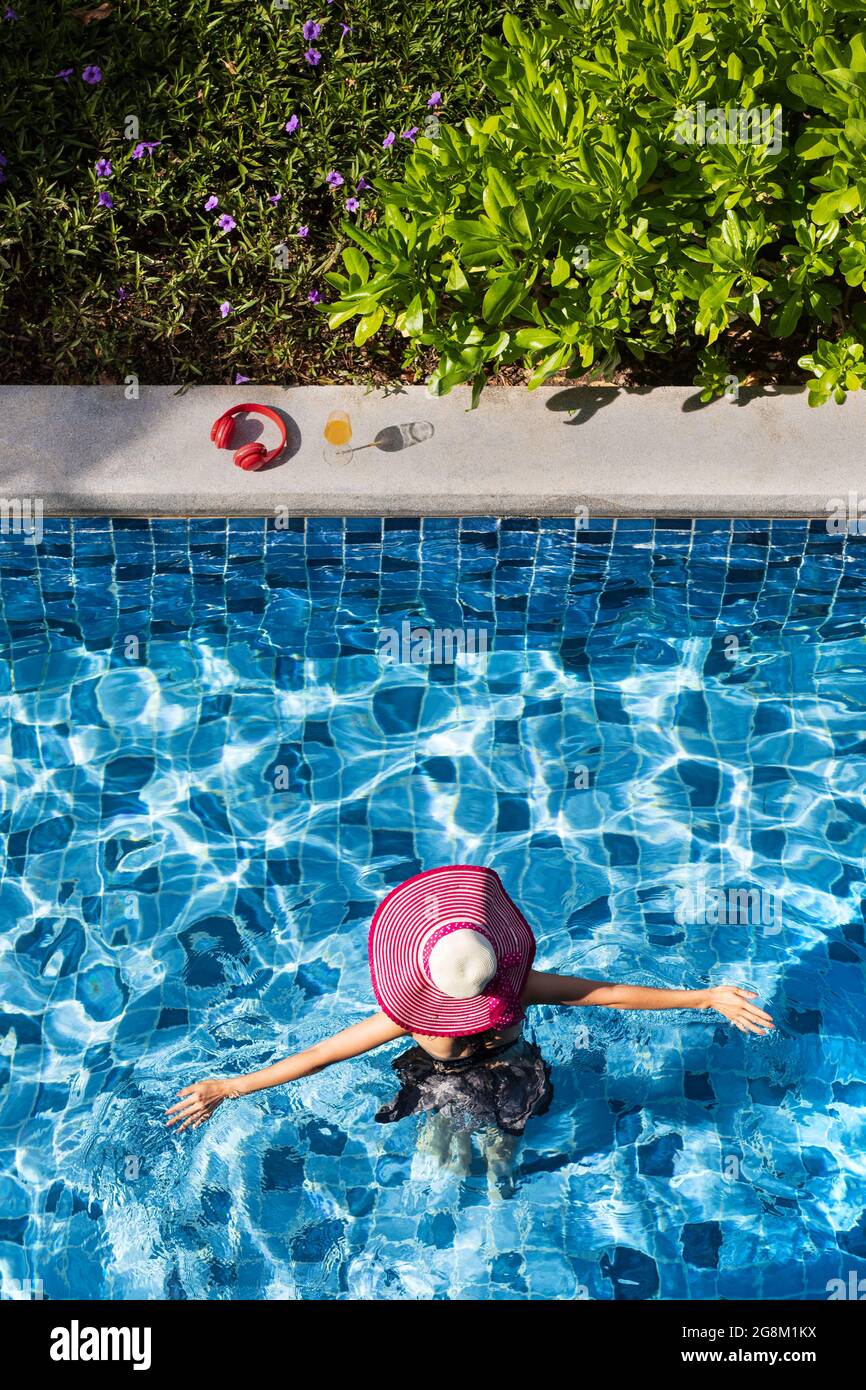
(338, 436)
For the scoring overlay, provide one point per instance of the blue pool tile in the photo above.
(198, 827)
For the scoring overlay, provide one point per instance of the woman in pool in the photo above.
(451, 965)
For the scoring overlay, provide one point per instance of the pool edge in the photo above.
(146, 451)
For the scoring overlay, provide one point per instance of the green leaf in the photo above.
(413, 320)
(496, 348)
(492, 208)
(341, 315)
(478, 384)
(816, 143)
(373, 247)
(557, 92)
(785, 321)
(466, 229)
(501, 187)
(519, 223)
(810, 89)
(549, 367)
(835, 204)
(448, 375)
(503, 295)
(356, 263)
(369, 325)
(513, 31)
(456, 279)
(535, 339)
(717, 292)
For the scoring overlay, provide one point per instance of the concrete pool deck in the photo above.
(85, 450)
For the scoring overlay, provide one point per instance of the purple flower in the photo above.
(334, 179)
(435, 99)
(211, 203)
(314, 296)
(226, 223)
(3, 161)
(346, 28)
(91, 75)
(103, 168)
(389, 140)
(313, 57)
(65, 73)
(274, 199)
(10, 15)
(352, 204)
(144, 147)
(362, 184)
(225, 308)
(303, 231)
(121, 294)
(409, 134)
(240, 379)
(312, 30)
(292, 124)
(105, 200)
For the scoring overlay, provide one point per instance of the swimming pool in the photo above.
(211, 777)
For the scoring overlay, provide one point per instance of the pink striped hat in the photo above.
(450, 953)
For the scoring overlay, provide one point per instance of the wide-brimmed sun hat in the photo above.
(450, 953)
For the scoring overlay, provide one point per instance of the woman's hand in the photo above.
(199, 1103)
(734, 1004)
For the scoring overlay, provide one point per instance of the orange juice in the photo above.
(338, 430)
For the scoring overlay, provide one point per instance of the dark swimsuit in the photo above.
(499, 1086)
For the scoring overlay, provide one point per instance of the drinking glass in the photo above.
(338, 436)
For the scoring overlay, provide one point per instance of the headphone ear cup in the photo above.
(222, 432)
(249, 457)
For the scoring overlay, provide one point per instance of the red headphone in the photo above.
(249, 456)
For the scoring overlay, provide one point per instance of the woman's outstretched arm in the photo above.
(198, 1102)
(728, 1000)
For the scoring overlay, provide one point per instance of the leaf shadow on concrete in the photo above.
(745, 395)
(581, 403)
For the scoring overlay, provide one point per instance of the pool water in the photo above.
(210, 779)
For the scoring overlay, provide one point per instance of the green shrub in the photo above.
(656, 174)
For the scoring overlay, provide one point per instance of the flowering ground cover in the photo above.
(173, 177)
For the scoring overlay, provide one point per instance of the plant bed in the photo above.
(92, 293)
(642, 194)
